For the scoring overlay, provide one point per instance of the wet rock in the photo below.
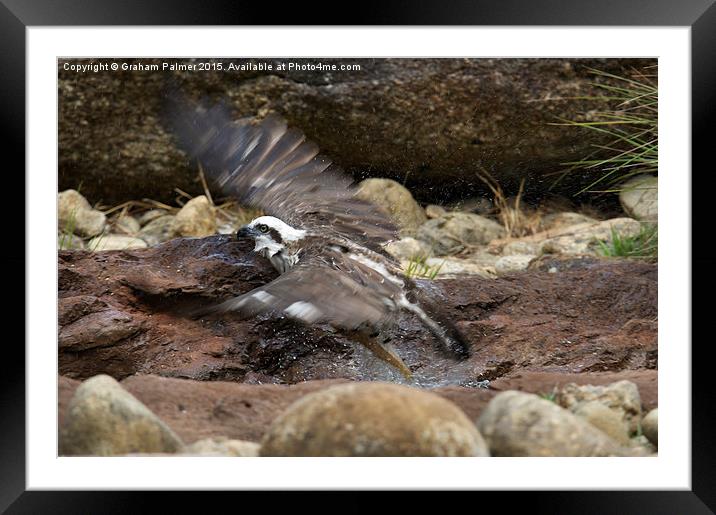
(554, 221)
(622, 397)
(522, 424)
(196, 219)
(396, 200)
(150, 215)
(158, 230)
(69, 241)
(127, 224)
(584, 238)
(457, 231)
(639, 198)
(650, 426)
(513, 263)
(222, 446)
(76, 215)
(350, 420)
(103, 419)
(605, 419)
(408, 248)
(115, 242)
(434, 211)
(100, 329)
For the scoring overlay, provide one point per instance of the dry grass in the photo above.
(518, 220)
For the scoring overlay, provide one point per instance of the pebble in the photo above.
(115, 242)
(650, 426)
(621, 396)
(158, 230)
(396, 200)
(222, 446)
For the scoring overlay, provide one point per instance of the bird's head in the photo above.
(270, 234)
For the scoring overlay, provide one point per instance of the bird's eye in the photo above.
(263, 228)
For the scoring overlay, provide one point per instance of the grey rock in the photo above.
(150, 215)
(407, 248)
(115, 242)
(513, 263)
(159, 230)
(76, 215)
(517, 247)
(650, 426)
(622, 397)
(554, 221)
(584, 238)
(351, 420)
(522, 424)
(196, 219)
(396, 200)
(458, 231)
(127, 224)
(639, 198)
(103, 419)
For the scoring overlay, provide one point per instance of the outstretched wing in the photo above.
(267, 165)
(330, 288)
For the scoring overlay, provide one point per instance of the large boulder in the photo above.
(373, 419)
(427, 123)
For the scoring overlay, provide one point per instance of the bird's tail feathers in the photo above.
(440, 326)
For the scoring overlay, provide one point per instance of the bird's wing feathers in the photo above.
(272, 167)
(347, 296)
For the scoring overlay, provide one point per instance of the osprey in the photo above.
(326, 244)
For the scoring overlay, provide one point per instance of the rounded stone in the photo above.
(77, 216)
(639, 198)
(127, 225)
(650, 426)
(158, 230)
(434, 211)
(604, 419)
(396, 200)
(523, 424)
(373, 419)
(408, 248)
(103, 419)
(456, 231)
(222, 446)
(513, 263)
(621, 396)
(196, 219)
(115, 242)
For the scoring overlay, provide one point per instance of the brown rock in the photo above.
(196, 219)
(396, 200)
(351, 420)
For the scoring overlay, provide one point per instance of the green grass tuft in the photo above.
(630, 122)
(644, 245)
(418, 268)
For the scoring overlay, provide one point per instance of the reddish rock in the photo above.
(592, 316)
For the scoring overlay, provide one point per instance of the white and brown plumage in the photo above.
(326, 244)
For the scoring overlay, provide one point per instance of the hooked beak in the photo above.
(246, 232)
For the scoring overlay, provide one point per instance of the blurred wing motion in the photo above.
(267, 165)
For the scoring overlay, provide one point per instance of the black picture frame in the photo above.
(699, 15)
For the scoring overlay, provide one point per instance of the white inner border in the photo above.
(671, 469)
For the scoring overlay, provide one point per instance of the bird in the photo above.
(326, 244)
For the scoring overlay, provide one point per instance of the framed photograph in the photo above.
(406, 256)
